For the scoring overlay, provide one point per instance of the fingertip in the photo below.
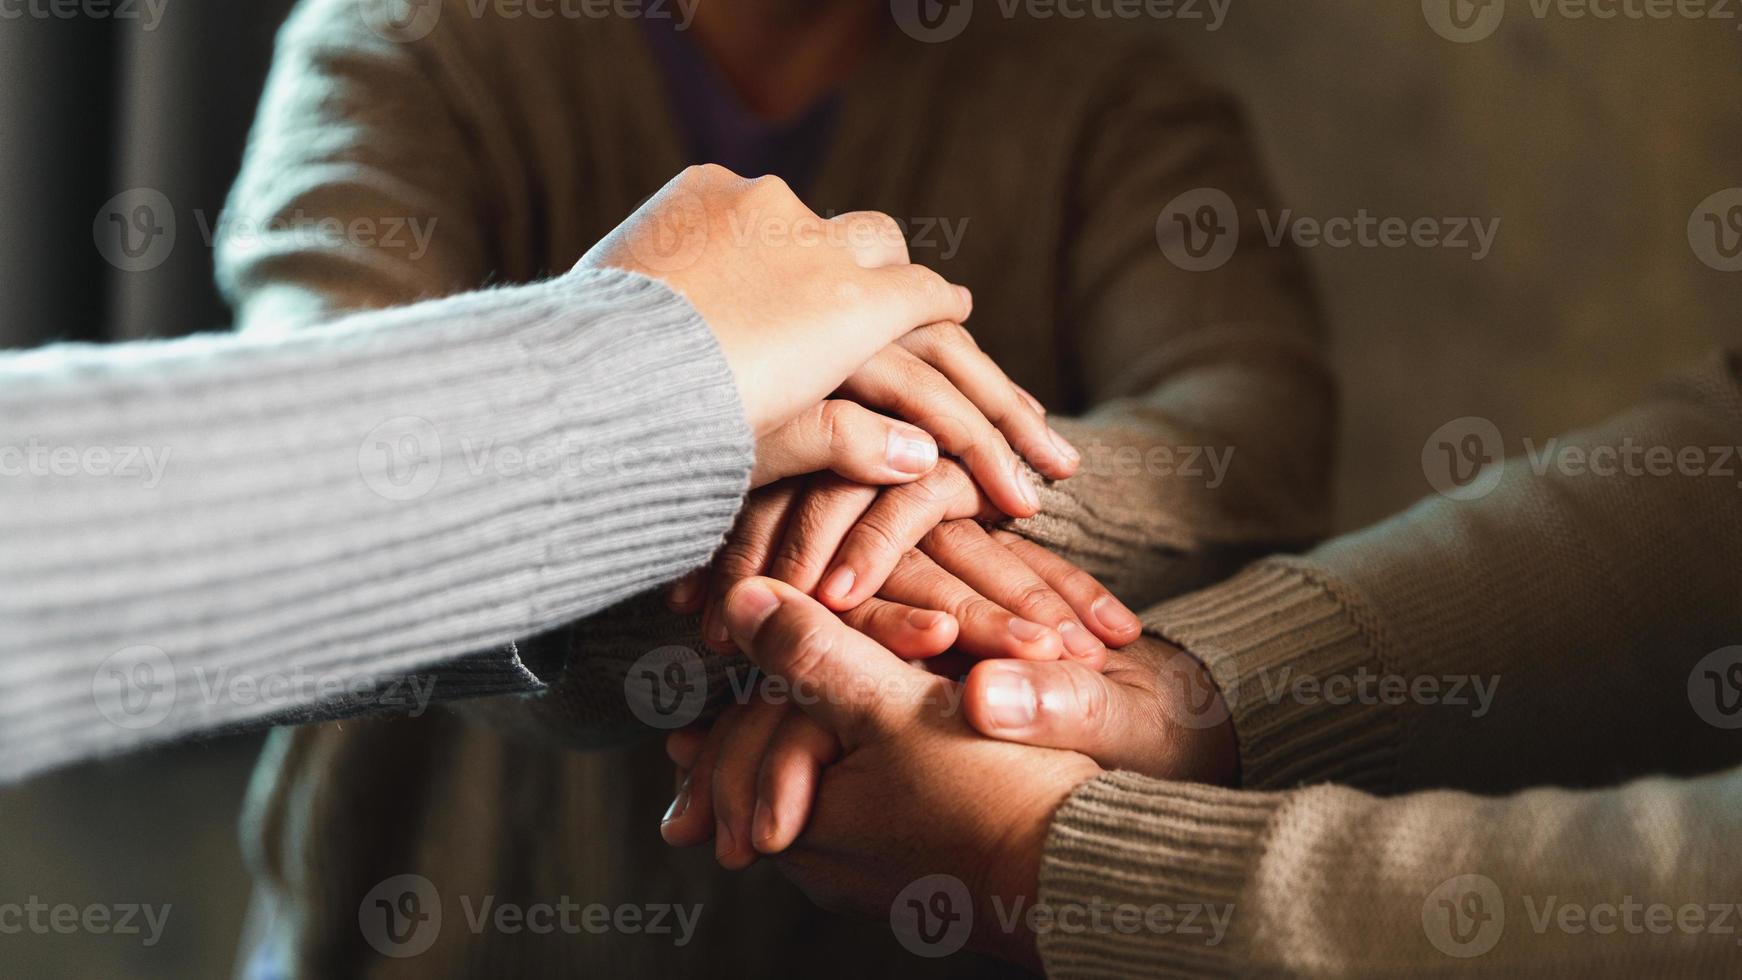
(676, 826)
(729, 851)
(684, 597)
(910, 452)
(684, 746)
(1032, 641)
(838, 587)
(999, 699)
(748, 605)
(940, 628)
(1119, 625)
(715, 635)
(927, 633)
(1022, 490)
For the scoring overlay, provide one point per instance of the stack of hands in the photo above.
(862, 575)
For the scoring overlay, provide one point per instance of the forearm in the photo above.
(1544, 631)
(1333, 882)
(350, 504)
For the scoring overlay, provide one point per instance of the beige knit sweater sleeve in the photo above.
(1194, 344)
(1575, 627)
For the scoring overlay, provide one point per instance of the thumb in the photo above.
(839, 676)
(1061, 705)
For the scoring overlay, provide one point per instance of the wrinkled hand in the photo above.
(749, 780)
(1153, 709)
(959, 587)
(915, 791)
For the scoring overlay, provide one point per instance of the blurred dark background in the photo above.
(1593, 142)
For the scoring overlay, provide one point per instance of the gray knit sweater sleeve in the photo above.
(230, 530)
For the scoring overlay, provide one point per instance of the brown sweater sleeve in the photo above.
(1209, 411)
(1576, 627)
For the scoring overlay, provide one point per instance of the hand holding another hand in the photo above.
(831, 304)
(915, 791)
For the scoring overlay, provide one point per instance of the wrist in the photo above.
(1010, 886)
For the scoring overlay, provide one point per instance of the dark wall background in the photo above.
(1592, 142)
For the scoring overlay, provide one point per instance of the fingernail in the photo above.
(924, 619)
(1026, 631)
(1010, 700)
(1064, 446)
(1025, 487)
(1113, 615)
(748, 606)
(840, 582)
(966, 297)
(1079, 642)
(717, 629)
(910, 451)
(762, 824)
(724, 845)
(680, 804)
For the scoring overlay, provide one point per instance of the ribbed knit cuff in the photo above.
(1166, 863)
(1107, 525)
(1292, 652)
